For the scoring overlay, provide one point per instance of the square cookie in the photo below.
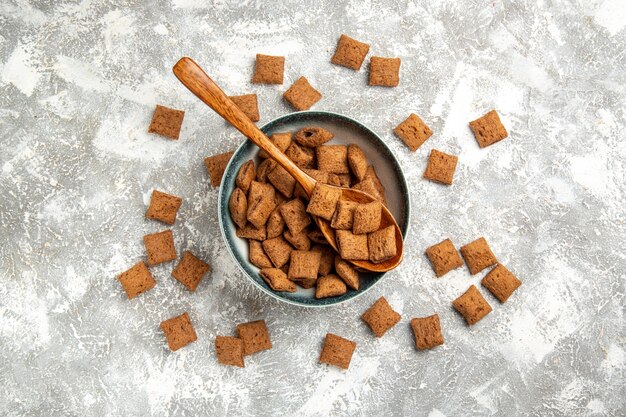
(257, 255)
(163, 207)
(501, 282)
(269, 69)
(283, 182)
(178, 331)
(330, 286)
(261, 203)
(367, 218)
(357, 161)
(337, 351)
(350, 53)
(301, 156)
(190, 271)
(347, 273)
(238, 207)
(245, 176)
(264, 169)
(166, 122)
(478, 255)
(333, 159)
(352, 247)
(443, 257)
(304, 265)
(298, 240)
(294, 214)
(384, 71)
(160, 247)
(255, 337)
(472, 306)
(413, 132)
(278, 250)
(301, 95)
(251, 232)
(248, 104)
(344, 215)
(277, 280)
(229, 351)
(327, 260)
(216, 165)
(488, 129)
(382, 244)
(427, 332)
(136, 280)
(323, 201)
(280, 140)
(380, 317)
(441, 167)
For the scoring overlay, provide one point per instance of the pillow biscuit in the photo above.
(367, 217)
(301, 95)
(304, 265)
(333, 159)
(163, 207)
(347, 273)
(278, 250)
(298, 240)
(261, 203)
(269, 69)
(245, 176)
(160, 247)
(257, 255)
(327, 260)
(344, 215)
(441, 167)
(178, 331)
(229, 351)
(478, 255)
(166, 122)
(350, 53)
(301, 156)
(251, 232)
(357, 161)
(337, 351)
(275, 223)
(254, 336)
(488, 129)
(380, 317)
(323, 201)
(136, 280)
(443, 257)
(427, 332)
(277, 280)
(384, 71)
(330, 286)
(190, 271)
(352, 247)
(238, 207)
(264, 169)
(247, 103)
(472, 306)
(413, 132)
(501, 282)
(382, 244)
(280, 140)
(215, 166)
(294, 214)
(311, 137)
(283, 182)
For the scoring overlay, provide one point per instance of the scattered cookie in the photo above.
(357, 161)
(488, 129)
(304, 267)
(190, 271)
(251, 232)
(380, 317)
(160, 247)
(323, 201)
(284, 183)
(136, 280)
(344, 215)
(216, 165)
(413, 132)
(441, 167)
(384, 71)
(245, 176)
(280, 140)
(269, 69)
(310, 137)
(163, 207)
(277, 280)
(294, 214)
(247, 103)
(178, 331)
(472, 306)
(255, 337)
(229, 351)
(301, 95)
(278, 250)
(501, 282)
(350, 53)
(352, 247)
(166, 122)
(443, 257)
(347, 273)
(257, 255)
(367, 218)
(478, 255)
(261, 203)
(330, 286)
(337, 351)
(427, 332)
(333, 159)
(382, 244)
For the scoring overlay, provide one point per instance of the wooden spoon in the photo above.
(198, 82)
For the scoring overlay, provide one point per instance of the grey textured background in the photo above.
(79, 82)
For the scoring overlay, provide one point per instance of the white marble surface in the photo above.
(79, 81)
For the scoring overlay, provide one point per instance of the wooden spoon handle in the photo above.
(198, 82)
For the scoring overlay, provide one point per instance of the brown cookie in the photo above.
(427, 332)
(166, 122)
(310, 137)
(160, 247)
(216, 165)
(350, 53)
(501, 282)
(245, 176)
(330, 286)
(255, 337)
(413, 132)
(347, 273)
(327, 260)
(352, 247)
(380, 317)
(163, 207)
(278, 250)
(294, 214)
(337, 351)
(229, 351)
(238, 207)
(357, 161)
(190, 271)
(443, 257)
(382, 244)
(488, 129)
(344, 215)
(384, 71)
(261, 203)
(478, 255)
(275, 223)
(441, 167)
(298, 240)
(269, 69)
(323, 201)
(333, 159)
(257, 255)
(304, 265)
(301, 156)
(280, 140)
(136, 280)
(277, 280)
(283, 182)
(301, 95)
(178, 331)
(367, 218)
(472, 306)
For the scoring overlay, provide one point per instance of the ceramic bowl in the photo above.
(346, 131)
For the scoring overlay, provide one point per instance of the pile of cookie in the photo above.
(269, 210)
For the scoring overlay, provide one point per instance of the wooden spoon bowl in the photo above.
(198, 82)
